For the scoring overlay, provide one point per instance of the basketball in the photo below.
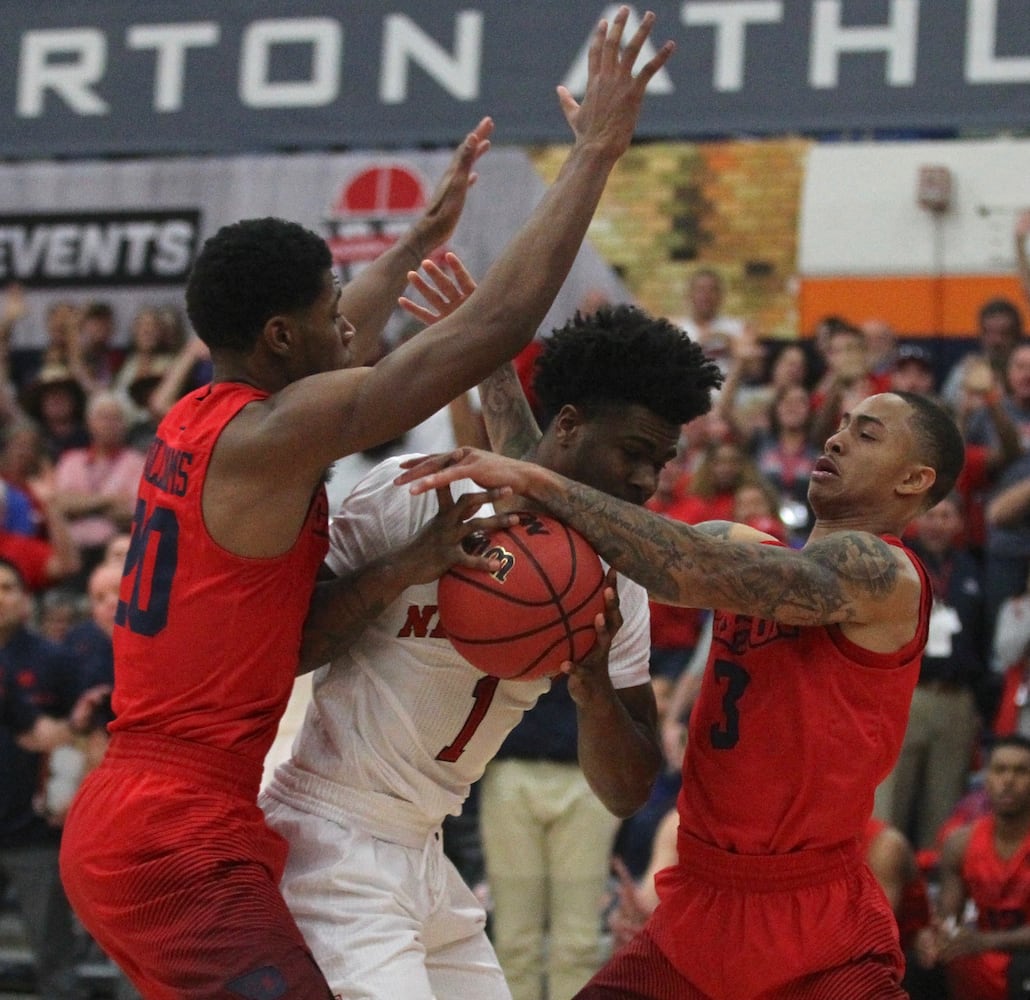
(523, 621)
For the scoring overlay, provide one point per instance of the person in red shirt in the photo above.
(801, 714)
(987, 864)
(166, 856)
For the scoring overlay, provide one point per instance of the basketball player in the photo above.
(801, 713)
(166, 855)
(401, 726)
(987, 863)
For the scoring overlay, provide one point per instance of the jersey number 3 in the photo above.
(725, 735)
(150, 562)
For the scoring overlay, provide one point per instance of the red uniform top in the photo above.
(1001, 891)
(206, 642)
(792, 731)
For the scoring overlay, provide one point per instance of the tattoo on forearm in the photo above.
(509, 420)
(683, 564)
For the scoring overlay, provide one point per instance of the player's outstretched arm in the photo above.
(369, 299)
(504, 312)
(510, 424)
(617, 730)
(848, 577)
(341, 608)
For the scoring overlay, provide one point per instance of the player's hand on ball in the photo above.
(589, 676)
(449, 538)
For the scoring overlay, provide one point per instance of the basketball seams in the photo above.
(475, 608)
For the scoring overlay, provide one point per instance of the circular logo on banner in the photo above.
(372, 209)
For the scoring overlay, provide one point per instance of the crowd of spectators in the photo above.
(77, 415)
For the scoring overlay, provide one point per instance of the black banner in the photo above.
(100, 248)
(199, 76)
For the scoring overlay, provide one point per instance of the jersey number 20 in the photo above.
(150, 562)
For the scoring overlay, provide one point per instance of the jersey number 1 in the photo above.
(151, 560)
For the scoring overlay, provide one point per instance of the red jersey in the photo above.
(793, 729)
(1000, 888)
(206, 642)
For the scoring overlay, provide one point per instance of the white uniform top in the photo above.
(401, 725)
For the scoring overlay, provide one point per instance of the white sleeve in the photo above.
(375, 518)
(631, 647)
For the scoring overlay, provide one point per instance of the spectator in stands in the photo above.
(26, 466)
(713, 485)
(981, 393)
(45, 703)
(881, 346)
(912, 370)
(846, 382)
(96, 486)
(1015, 400)
(1000, 329)
(785, 456)
(1007, 552)
(190, 369)
(950, 699)
(93, 359)
(985, 864)
(57, 402)
(149, 357)
(40, 563)
(705, 321)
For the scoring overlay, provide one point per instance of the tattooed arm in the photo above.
(850, 577)
(509, 420)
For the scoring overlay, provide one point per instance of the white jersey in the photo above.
(400, 725)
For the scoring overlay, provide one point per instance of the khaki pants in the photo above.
(932, 771)
(547, 841)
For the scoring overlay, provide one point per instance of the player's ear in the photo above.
(918, 479)
(278, 334)
(567, 423)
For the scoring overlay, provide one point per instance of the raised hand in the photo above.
(611, 104)
(445, 206)
(442, 291)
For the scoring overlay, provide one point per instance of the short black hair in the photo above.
(248, 272)
(1003, 307)
(1017, 740)
(621, 354)
(939, 442)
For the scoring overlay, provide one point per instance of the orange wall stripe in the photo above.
(914, 306)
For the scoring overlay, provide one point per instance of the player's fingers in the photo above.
(648, 70)
(417, 310)
(444, 498)
(420, 466)
(596, 45)
(446, 286)
(569, 104)
(427, 288)
(613, 40)
(484, 129)
(461, 273)
(632, 48)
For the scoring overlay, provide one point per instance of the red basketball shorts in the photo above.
(168, 863)
(811, 926)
